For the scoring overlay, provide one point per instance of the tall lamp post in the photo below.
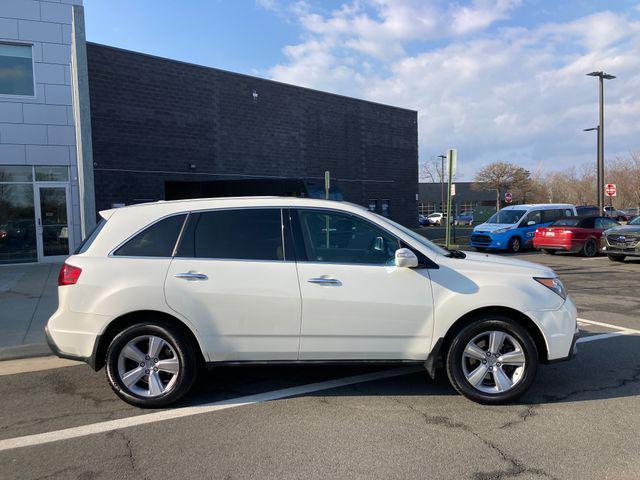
(597, 130)
(442, 157)
(602, 76)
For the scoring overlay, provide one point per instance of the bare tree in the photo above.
(431, 171)
(502, 177)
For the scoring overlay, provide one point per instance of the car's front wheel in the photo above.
(151, 365)
(492, 360)
(515, 245)
(616, 258)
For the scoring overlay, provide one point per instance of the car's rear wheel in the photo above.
(589, 249)
(492, 360)
(515, 245)
(616, 258)
(151, 365)
(549, 251)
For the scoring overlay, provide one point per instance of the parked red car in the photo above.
(573, 234)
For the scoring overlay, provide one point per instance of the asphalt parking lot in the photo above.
(580, 420)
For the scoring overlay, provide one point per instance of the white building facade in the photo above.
(45, 167)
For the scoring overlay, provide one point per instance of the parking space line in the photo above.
(102, 427)
(609, 325)
(603, 336)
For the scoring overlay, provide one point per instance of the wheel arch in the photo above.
(442, 344)
(132, 318)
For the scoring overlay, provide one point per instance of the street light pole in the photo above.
(597, 129)
(602, 76)
(442, 157)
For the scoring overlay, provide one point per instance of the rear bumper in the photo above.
(566, 246)
(90, 359)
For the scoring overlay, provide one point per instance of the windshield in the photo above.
(506, 216)
(635, 221)
(416, 236)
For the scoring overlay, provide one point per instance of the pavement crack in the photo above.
(515, 467)
(523, 416)
(129, 454)
(620, 383)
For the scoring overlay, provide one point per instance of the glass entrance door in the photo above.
(52, 221)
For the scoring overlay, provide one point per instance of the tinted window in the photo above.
(16, 69)
(566, 222)
(334, 237)
(157, 240)
(535, 217)
(243, 234)
(86, 243)
(552, 215)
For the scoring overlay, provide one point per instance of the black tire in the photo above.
(515, 245)
(549, 251)
(589, 249)
(188, 364)
(617, 258)
(454, 360)
(480, 249)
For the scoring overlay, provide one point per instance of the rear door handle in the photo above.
(325, 281)
(191, 276)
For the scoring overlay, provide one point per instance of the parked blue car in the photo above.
(464, 218)
(512, 228)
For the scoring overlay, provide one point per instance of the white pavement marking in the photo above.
(609, 325)
(81, 431)
(36, 364)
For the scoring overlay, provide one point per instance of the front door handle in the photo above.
(325, 281)
(191, 276)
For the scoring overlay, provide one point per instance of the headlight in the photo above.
(553, 284)
(501, 230)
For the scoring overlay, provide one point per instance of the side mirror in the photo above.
(406, 258)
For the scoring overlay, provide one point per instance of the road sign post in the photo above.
(452, 161)
(610, 190)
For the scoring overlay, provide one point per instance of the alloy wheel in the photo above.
(148, 366)
(493, 362)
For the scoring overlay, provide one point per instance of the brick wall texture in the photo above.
(153, 117)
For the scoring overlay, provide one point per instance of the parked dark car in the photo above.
(588, 211)
(573, 234)
(617, 215)
(623, 241)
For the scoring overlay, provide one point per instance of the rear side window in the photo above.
(243, 234)
(86, 243)
(605, 223)
(157, 240)
(587, 222)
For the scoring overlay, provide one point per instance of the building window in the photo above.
(16, 70)
(385, 206)
(373, 205)
(466, 206)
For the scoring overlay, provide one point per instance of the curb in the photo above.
(25, 351)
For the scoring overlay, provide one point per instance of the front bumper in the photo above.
(560, 330)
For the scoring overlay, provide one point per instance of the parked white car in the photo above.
(160, 289)
(436, 218)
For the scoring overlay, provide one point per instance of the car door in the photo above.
(356, 304)
(232, 277)
(532, 221)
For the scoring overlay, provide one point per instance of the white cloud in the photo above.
(512, 93)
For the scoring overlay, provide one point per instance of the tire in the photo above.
(461, 367)
(548, 251)
(589, 249)
(515, 245)
(616, 258)
(155, 387)
(480, 249)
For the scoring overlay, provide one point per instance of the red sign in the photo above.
(610, 190)
(508, 197)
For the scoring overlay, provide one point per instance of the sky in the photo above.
(500, 80)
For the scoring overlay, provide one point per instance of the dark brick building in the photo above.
(156, 120)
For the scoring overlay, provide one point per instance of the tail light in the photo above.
(68, 275)
(567, 233)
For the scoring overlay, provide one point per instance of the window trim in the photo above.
(33, 70)
(257, 207)
(112, 254)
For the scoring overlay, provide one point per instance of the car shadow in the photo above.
(603, 369)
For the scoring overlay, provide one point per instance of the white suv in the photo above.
(159, 290)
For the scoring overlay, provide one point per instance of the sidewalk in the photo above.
(28, 297)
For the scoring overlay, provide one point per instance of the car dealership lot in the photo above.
(580, 419)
